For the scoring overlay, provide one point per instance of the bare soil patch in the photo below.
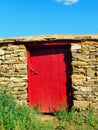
(49, 119)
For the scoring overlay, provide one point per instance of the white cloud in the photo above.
(67, 2)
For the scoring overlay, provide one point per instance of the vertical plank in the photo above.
(33, 92)
(41, 86)
(48, 87)
(62, 79)
(47, 79)
(54, 82)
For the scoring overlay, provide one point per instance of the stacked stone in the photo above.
(13, 70)
(84, 48)
(85, 74)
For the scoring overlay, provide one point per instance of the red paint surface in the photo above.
(47, 76)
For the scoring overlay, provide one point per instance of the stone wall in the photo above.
(85, 74)
(13, 70)
(13, 67)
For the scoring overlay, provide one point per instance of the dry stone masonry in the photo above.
(85, 73)
(13, 70)
(13, 66)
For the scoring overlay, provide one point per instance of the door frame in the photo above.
(47, 44)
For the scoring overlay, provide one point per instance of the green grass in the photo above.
(77, 120)
(16, 117)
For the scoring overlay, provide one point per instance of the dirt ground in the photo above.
(49, 119)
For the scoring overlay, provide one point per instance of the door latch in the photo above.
(34, 71)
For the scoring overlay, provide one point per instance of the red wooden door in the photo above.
(47, 79)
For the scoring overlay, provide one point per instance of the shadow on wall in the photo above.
(69, 91)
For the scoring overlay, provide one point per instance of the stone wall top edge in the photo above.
(50, 37)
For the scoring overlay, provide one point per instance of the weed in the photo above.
(92, 119)
(64, 114)
(15, 117)
(77, 120)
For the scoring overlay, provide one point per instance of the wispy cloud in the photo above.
(67, 2)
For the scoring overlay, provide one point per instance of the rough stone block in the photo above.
(23, 59)
(12, 47)
(76, 77)
(79, 63)
(20, 66)
(78, 97)
(78, 83)
(2, 57)
(79, 70)
(81, 104)
(75, 47)
(94, 105)
(15, 80)
(1, 61)
(81, 57)
(22, 47)
(2, 52)
(90, 72)
(4, 79)
(86, 89)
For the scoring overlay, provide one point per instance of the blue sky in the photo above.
(37, 17)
